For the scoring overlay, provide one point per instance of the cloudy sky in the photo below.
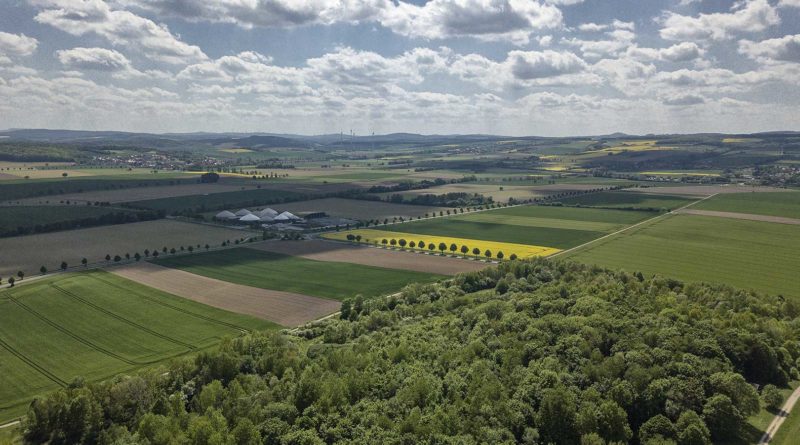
(514, 67)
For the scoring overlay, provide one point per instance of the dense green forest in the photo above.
(529, 352)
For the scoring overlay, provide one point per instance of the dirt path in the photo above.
(776, 423)
(284, 308)
(746, 216)
(370, 256)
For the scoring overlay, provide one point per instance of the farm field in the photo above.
(517, 192)
(351, 253)
(785, 204)
(704, 190)
(373, 236)
(747, 254)
(58, 173)
(629, 200)
(550, 226)
(50, 249)
(279, 272)
(14, 217)
(22, 189)
(95, 325)
(215, 201)
(141, 193)
(284, 308)
(360, 209)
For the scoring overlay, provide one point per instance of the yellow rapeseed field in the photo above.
(373, 236)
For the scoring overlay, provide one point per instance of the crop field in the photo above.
(358, 254)
(785, 204)
(550, 226)
(375, 237)
(629, 200)
(360, 209)
(499, 192)
(747, 254)
(57, 173)
(141, 193)
(703, 190)
(50, 249)
(275, 271)
(17, 190)
(215, 201)
(95, 325)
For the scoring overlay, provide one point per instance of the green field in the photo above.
(95, 325)
(216, 201)
(274, 271)
(628, 200)
(786, 204)
(28, 188)
(551, 226)
(747, 254)
(28, 217)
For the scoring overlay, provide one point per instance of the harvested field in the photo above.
(368, 256)
(284, 308)
(703, 190)
(140, 193)
(499, 192)
(359, 209)
(50, 249)
(745, 216)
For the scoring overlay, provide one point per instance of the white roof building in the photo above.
(225, 215)
(288, 215)
(267, 218)
(243, 212)
(268, 212)
(282, 217)
(249, 218)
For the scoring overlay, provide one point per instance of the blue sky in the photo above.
(515, 67)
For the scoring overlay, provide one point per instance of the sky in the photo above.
(509, 67)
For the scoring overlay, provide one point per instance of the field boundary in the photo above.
(743, 216)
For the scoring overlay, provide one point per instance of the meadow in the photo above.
(376, 237)
(785, 204)
(94, 325)
(550, 226)
(280, 272)
(628, 200)
(747, 254)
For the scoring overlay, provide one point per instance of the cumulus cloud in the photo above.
(684, 100)
(120, 27)
(744, 16)
(786, 48)
(618, 36)
(98, 59)
(789, 3)
(512, 20)
(527, 65)
(17, 44)
(680, 52)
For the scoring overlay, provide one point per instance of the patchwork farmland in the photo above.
(94, 325)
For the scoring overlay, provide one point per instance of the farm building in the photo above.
(249, 218)
(225, 215)
(242, 212)
(268, 212)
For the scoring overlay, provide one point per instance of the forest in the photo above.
(528, 352)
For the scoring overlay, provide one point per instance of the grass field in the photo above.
(57, 173)
(50, 249)
(21, 189)
(785, 204)
(274, 271)
(372, 236)
(550, 226)
(215, 201)
(95, 325)
(747, 254)
(628, 199)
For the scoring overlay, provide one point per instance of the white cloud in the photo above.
(17, 44)
(680, 52)
(526, 65)
(786, 48)
(121, 28)
(512, 20)
(98, 59)
(619, 36)
(745, 16)
(789, 3)
(684, 100)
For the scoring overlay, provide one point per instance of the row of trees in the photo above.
(432, 246)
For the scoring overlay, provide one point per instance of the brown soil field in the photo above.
(29, 253)
(284, 308)
(140, 193)
(370, 256)
(746, 216)
(703, 190)
(359, 209)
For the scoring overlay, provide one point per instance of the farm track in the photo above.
(190, 313)
(49, 375)
(123, 319)
(779, 418)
